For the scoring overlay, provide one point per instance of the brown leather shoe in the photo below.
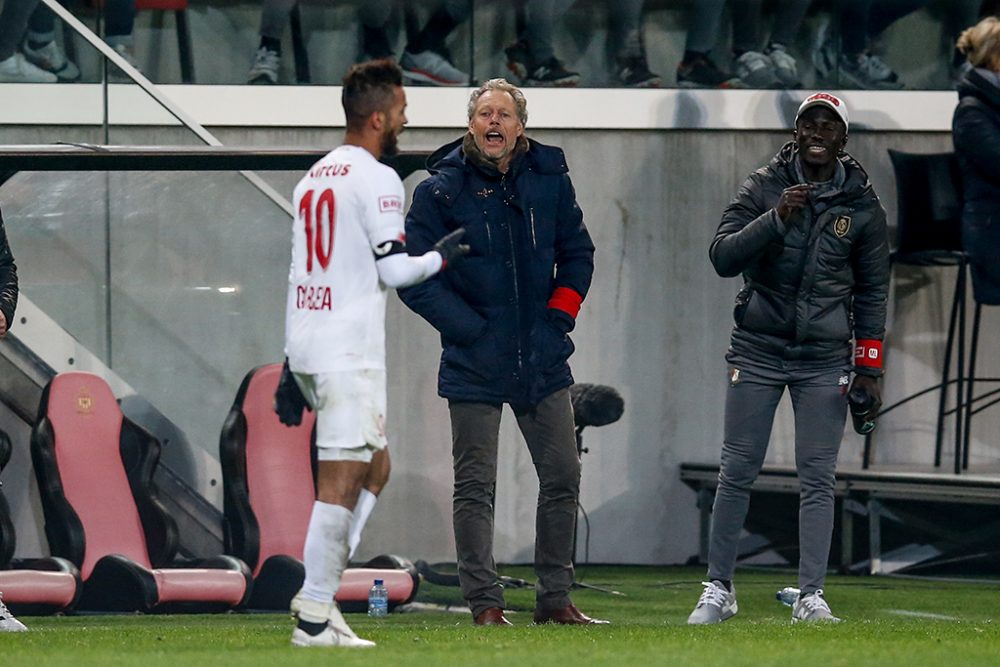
(491, 616)
(568, 615)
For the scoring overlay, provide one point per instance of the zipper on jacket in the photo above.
(517, 300)
(531, 213)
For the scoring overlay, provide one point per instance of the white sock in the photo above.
(325, 553)
(362, 510)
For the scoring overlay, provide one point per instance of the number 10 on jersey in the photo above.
(320, 221)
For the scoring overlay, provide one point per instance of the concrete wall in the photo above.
(655, 326)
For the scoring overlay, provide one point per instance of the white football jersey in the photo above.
(346, 205)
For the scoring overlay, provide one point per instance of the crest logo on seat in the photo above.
(84, 402)
(842, 226)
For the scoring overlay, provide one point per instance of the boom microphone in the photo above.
(595, 404)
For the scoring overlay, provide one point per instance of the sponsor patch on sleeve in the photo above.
(390, 204)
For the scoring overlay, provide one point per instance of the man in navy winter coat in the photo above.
(504, 316)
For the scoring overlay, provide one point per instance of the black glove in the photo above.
(450, 249)
(561, 320)
(864, 399)
(288, 399)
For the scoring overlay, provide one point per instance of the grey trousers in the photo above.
(549, 432)
(820, 405)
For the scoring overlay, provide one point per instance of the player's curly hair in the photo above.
(981, 43)
(520, 103)
(369, 87)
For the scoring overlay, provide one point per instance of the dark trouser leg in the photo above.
(13, 22)
(747, 25)
(549, 431)
(541, 17)
(854, 26)
(750, 406)
(820, 414)
(475, 429)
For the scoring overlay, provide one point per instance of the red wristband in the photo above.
(868, 353)
(566, 300)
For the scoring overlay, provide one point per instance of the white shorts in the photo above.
(350, 413)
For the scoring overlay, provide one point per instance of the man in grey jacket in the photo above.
(808, 235)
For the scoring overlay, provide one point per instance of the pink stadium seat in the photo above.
(38, 585)
(94, 470)
(269, 490)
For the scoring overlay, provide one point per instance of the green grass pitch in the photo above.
(889, 622)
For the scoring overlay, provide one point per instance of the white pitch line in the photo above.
(922, 614)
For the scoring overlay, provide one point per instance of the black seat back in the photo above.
(929, 203)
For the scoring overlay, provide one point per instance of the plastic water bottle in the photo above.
(378, 599)
(787, 595)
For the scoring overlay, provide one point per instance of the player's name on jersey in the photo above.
(335, 169)
(313, 298)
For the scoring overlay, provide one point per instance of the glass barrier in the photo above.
(845, 44)
(174, 280)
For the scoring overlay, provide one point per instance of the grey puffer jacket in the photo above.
(813, 282)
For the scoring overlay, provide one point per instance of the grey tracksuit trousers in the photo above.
(820, 405)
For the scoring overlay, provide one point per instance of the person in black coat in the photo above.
(976, 133)
(504, 317)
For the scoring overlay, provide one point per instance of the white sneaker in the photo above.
(18, 70)
(813, 607)
(756, 70)
(52, 59)
(879, 71)
(866, 72)
(128, 54)
(337, 631)
(265, 67)
(785, 67)
(329, 637)
(433, 68)
(715, 605)
(7, 621)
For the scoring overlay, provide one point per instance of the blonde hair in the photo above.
(981, 43)
(520, 103)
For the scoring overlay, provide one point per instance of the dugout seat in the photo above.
(37, 585)
(94, 469)
(268, 491)
(929, 234)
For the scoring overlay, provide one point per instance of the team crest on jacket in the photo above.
(842, 226)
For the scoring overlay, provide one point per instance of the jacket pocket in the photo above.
(479, 359)
(550, 347)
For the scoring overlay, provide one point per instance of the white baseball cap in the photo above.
(827, 100)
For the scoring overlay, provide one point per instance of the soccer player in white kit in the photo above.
(348, 250)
